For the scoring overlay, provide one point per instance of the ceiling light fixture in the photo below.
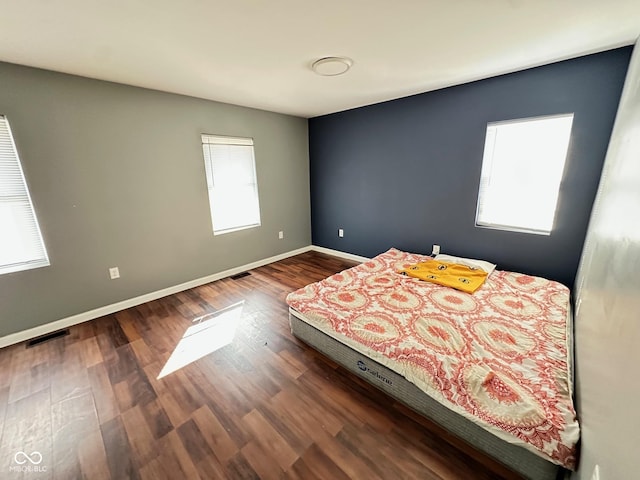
(332, 66)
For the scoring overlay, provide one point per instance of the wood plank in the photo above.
(300, 471)
(6, 357)
(27, 428)
(268, 437)
(322, 466)
(73, 420)
(258, 456)
(143, 353)
(91, 352)
(155, 470)
(104, 397)
(143, 447)
(93, 457)
(362, 445)
(119, 451)
(127, 321)
(194, 441)
(303, 411)
(214, 433)
(175, 458)
(4, 401)
(238, 467)
(350, 463)
(156, 418)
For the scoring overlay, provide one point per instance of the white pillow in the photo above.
(469, 262)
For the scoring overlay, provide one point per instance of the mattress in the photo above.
(529, 465)
(499, 358)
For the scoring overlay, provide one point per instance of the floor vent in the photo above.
(47, 337)
(240, 275)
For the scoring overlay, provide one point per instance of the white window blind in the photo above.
(231, 180)
(522, 169)
(21, 245)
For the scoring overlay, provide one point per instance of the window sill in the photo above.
(236, 229)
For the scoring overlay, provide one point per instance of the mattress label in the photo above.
(363, 366)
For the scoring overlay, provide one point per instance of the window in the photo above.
(232, 184)
(521, 172)
(21, 245)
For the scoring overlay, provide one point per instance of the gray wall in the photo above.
(117, 178)
(406, 173)
(607, 320)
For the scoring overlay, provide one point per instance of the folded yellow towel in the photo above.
(447, 274)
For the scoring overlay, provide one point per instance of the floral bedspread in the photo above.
(498, 357)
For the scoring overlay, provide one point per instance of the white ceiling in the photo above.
(257, 53)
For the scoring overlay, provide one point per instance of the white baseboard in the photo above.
(338, 253)
(40, 330)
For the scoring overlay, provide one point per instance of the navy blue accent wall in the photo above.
(405, 173)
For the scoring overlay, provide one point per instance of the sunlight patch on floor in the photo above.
(210, 333)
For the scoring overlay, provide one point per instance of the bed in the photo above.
(492, 367)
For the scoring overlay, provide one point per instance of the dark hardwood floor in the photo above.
(209, 383)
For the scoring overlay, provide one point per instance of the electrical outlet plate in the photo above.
(280, 234)
(596, 473)
(114, 273)
(436, 249)
(340, 232)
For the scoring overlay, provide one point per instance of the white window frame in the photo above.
(251, 198)
(20, 236)
(520, 210)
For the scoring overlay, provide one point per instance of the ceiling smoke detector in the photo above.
(332, 66)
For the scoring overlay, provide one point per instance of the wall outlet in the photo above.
(340, 232)
(280, 234)
(596, 473)
(436, 250)
(114, 273)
